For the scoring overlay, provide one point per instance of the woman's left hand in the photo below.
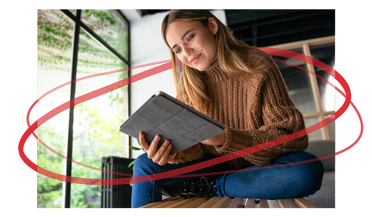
(216, 140)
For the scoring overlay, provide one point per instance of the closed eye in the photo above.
(187, 40)
(190, 38)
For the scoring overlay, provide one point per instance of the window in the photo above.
(311, 95)
(73, 44)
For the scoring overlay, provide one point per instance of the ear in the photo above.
(213, 26)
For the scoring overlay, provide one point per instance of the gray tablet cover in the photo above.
(173, 120)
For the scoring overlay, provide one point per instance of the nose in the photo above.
(187, 51)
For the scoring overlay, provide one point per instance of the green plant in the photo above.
(136, 149)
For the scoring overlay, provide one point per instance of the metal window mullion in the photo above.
(126, 61)
(86, 28)
(78, 24)
(127, 100)
(71, 111)
(104, 43)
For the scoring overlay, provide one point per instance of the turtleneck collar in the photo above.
(214, 72)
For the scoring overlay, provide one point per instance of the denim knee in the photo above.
(317, 170)
(144, 165)
(315, 167)
(311, 172)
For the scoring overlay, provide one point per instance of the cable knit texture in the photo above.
(255, 108)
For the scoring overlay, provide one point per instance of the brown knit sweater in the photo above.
(255, 108)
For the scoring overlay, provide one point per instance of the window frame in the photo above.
(66, 186)
(305, 46)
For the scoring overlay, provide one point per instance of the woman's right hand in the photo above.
(160, 156)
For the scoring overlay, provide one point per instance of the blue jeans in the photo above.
(277, 182)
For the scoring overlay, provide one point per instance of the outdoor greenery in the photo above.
(96, 122)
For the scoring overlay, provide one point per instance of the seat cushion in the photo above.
(325, 197)
(324, 148)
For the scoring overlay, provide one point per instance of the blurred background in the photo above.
(73, 44)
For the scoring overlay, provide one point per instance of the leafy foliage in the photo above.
(136, 149)
(95, 128)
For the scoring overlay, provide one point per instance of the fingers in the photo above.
(166, 156)
(153, 147)
(143, 141)
(160, 156)
(162, 153)
(172, 156)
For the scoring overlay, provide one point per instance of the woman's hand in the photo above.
(160, 156)
(216, 140)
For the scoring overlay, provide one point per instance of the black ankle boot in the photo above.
(209, 184)
(203, 187)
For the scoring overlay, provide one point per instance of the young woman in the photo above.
(242, 88)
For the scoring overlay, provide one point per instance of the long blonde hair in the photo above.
(228, 58)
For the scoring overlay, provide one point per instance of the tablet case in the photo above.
(173, 120)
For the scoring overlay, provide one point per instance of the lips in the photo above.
(195, 59)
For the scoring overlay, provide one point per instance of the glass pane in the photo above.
(110, 26)
(97, 121)
(316, 135)
(298, 83)
(55, 36)
(326, 54)
(73, 11)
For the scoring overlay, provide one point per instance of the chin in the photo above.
(201, 68)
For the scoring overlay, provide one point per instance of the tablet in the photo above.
(172, 119)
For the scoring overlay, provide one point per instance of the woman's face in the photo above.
(193, 44)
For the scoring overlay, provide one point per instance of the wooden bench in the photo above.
(228, 202)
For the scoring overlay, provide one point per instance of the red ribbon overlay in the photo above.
(179, 172)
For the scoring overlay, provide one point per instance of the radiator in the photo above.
(115, 196)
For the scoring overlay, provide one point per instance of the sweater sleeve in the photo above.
(196, 151)
(280, 117)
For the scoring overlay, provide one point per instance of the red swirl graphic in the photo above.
(184, 170)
